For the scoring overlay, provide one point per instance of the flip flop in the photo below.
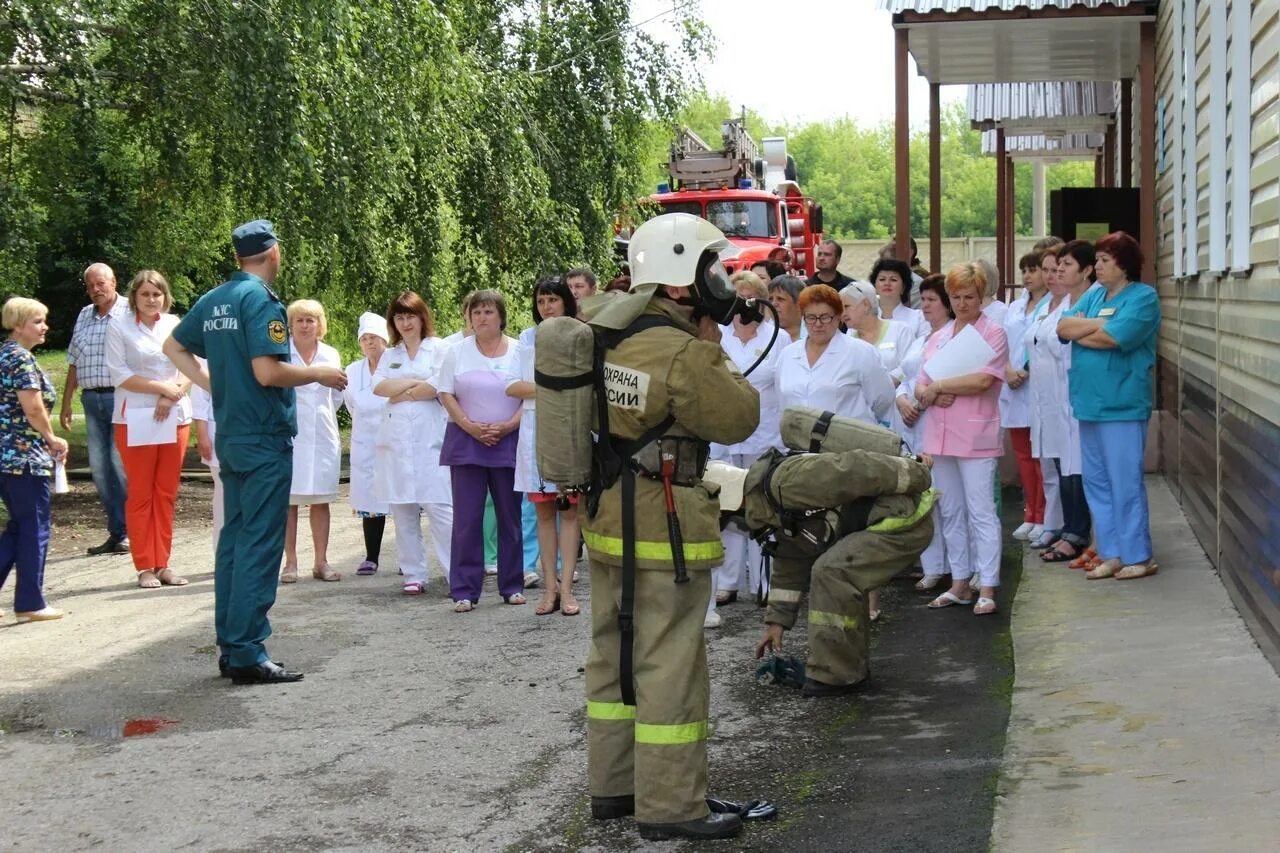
(1087, 560)
(413, 588)
(980, 609)
(948, 599)
(1053, 555)
(368, 567)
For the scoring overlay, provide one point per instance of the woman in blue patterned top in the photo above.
(28, 451)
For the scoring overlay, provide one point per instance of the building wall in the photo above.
(1219, 368)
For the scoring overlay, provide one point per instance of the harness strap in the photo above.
(563, 383)
(820, 428)
(627, 606)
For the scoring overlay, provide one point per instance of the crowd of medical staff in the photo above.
(444, 427)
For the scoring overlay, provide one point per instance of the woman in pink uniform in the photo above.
(962, 433)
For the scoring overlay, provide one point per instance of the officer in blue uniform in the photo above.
(241, 329)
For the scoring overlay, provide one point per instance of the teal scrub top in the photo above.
(229, 326)
(1115, 384)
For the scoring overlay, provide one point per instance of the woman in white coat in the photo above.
(1051, 421)
(1015, 396)
(744, 343)
(317, 448)
(408, 473)
(557, 514)
(366, 410)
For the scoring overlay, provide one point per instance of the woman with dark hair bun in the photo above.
(892, 280)
(551, 298)
(1113, 331)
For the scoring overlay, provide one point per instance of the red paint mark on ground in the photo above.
(146, 726)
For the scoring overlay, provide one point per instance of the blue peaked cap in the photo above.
(253, 238)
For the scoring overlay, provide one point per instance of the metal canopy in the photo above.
(1050, 149)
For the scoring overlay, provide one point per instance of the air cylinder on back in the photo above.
(563, 372)
(817, 431)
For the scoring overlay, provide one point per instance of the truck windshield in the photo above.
(744, 218)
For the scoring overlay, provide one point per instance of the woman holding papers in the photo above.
(959, 383)
(152, 422)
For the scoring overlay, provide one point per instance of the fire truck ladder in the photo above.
(694, 165)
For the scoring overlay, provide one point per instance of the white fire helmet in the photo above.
(683, 250)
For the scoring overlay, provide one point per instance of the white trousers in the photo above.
(1052, 496)
(741, 567)
(934, 559)
(410, 547)
(970, 527)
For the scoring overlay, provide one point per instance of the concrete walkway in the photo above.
(1144, 716)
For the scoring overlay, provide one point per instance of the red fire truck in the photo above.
(755, 200)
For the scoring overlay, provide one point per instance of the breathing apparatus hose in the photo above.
(756, 303)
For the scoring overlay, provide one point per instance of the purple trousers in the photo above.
(466, 575)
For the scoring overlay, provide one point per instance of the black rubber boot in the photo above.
(612, 808)
(821, 689)
(714, 825)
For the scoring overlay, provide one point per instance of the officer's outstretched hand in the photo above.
(331, 377)
(771, 641)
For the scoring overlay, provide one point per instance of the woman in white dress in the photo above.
(909, 419)
(1051, 423)
(408, 473)
(557, 514)
(891, 278)
(366, 410)
(1015, 396)
(829, 370)
(891, 338)
(744, 343)
(317, 448)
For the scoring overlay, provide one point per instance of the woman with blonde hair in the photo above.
(317, 448)
(149, 391)
(28, 453)
(962, 434)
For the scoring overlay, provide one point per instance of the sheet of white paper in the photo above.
(967, 352)
(145, 429)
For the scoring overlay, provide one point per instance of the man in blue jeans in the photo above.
(87, 370)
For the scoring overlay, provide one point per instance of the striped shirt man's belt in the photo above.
(100, 390)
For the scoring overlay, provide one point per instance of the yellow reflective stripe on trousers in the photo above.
(671, 735)
(889, 525)
(610, 711)
(612, 545)
(833, 620)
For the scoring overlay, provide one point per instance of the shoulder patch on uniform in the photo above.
(275, 331)
(625, 388)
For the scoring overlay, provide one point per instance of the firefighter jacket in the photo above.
(857, 490)
(657, 372)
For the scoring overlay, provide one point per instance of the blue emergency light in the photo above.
(664, 188)
(744, 183)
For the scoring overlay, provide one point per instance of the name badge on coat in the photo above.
(1107, 312)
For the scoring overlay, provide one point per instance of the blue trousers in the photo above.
(104, 459)
(1075, 507)
(256, 472)
(1112, 453)
(471, 484)
(25, 540)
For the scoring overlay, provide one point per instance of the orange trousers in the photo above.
(152, 472)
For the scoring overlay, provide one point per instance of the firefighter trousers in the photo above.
(656, 750)
(839, 621)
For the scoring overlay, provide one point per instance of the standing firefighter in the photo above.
(653, 527)
(845, 522)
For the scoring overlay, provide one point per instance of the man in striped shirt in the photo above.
(87, 370)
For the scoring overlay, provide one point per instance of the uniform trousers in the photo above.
(218, 512)
(257, 471)
(657, 749)
(410, 550)
(471, 484)
(25, 540)
(1053, 517)
(1075, 508)
(153, 471)
(970, 526)
(839, 580)
(1029, 474)
(934, 560)
(1112, 457)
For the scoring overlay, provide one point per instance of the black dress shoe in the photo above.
(267, 672)
(111, 546)
(712, 826)
(611, 808)
(821, 689)
(224, 666)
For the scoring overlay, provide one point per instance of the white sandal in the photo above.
(928, 582)
(984, 602)
(948, 599)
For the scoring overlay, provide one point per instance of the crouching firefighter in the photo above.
(844, 522)
(662, 388)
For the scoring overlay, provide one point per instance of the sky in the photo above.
(835, 58)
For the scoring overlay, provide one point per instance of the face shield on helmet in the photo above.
(683, 250)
